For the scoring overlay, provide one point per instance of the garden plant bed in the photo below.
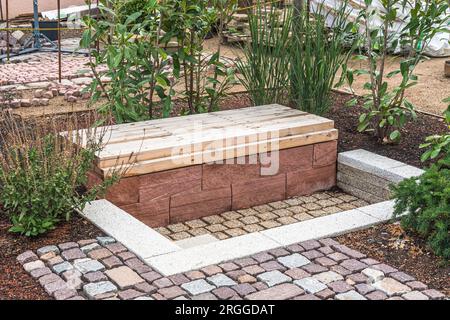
(389, 243)
(15, 283)
(407, 150)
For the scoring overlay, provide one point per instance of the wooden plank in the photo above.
(156, 145)
(163, 127)
(176, 131)
(188, 118)
(304, 120)
(184, 160)
(166, 146)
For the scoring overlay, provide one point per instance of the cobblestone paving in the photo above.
(41, 67)
(103, 269)
(271, 215)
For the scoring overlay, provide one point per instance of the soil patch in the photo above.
(390, 244)
(15, 283)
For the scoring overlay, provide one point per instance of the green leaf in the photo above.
(395, 135)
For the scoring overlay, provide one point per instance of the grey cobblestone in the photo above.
(273, 278)
(197, 287)
(113, 273)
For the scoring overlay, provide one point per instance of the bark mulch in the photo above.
(407, 150)
(390, 244)
(15, 283)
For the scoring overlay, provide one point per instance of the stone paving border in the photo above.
(259, 218)
(103, 269)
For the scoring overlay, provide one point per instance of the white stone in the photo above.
(404, 172)
(380, 166)
(106, 240)
(391, 287)
(132, 233)
(272, 278)
(81, 81)
(197, 287)
(383, 211)
(373, 275)
(143, 298)
(310, 285)
(415, 295)
(328, 276)
(293, 261)
(62, 267)
(89, 266)
(221, 280)
(196, 241)
(350, 295)
(30, 266)
(97, 288)
(38, 85)
(211, 253)
(321, 227)
(90, 247)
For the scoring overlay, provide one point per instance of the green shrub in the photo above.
(125, 8)
(138, 67)
(386, 108)
(42, 175)
(190, 21)
(426, 202)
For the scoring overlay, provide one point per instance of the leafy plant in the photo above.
(42, 174)
(126, 8)
(438, 145)
(423, 204)
(318, 51)
(138, 69)
(190, 22)
(264, 70)
(387, 110)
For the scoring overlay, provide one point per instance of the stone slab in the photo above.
(383, 211)
(211, 253)
(380, 166)
(196, 241)
(133, 234)
(321, 227)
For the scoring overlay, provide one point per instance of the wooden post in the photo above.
(59, 42)
(96, 17)
(7, 31)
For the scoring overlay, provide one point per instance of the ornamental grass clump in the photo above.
(321, 45)
(264, 68)
(42, 173)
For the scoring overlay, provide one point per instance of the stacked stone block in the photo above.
(193, 192)
(369, 176)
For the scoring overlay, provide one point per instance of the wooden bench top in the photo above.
(169, 143)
